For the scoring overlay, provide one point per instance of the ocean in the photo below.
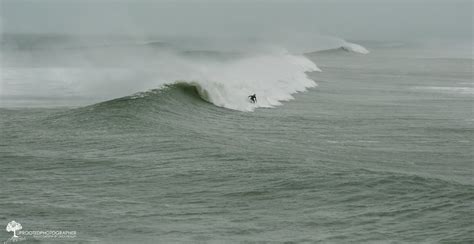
(155, 142)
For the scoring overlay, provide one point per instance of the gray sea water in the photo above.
(380, 151)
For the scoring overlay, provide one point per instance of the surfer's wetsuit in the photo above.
(253, 98)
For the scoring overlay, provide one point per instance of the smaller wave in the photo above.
(346, 47)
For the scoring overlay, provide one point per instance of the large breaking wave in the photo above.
(103, 72)
(273, 77)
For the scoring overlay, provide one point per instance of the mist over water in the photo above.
(97, 71)
(96, 51)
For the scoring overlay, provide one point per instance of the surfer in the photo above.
(253, 98)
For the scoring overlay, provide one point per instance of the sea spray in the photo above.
(96, 73)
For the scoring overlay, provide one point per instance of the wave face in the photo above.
(98, 72)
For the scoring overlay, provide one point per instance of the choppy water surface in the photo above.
(381, 150)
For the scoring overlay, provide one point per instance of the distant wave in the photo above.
(346, 47)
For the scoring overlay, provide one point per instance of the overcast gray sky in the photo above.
(350, 19)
